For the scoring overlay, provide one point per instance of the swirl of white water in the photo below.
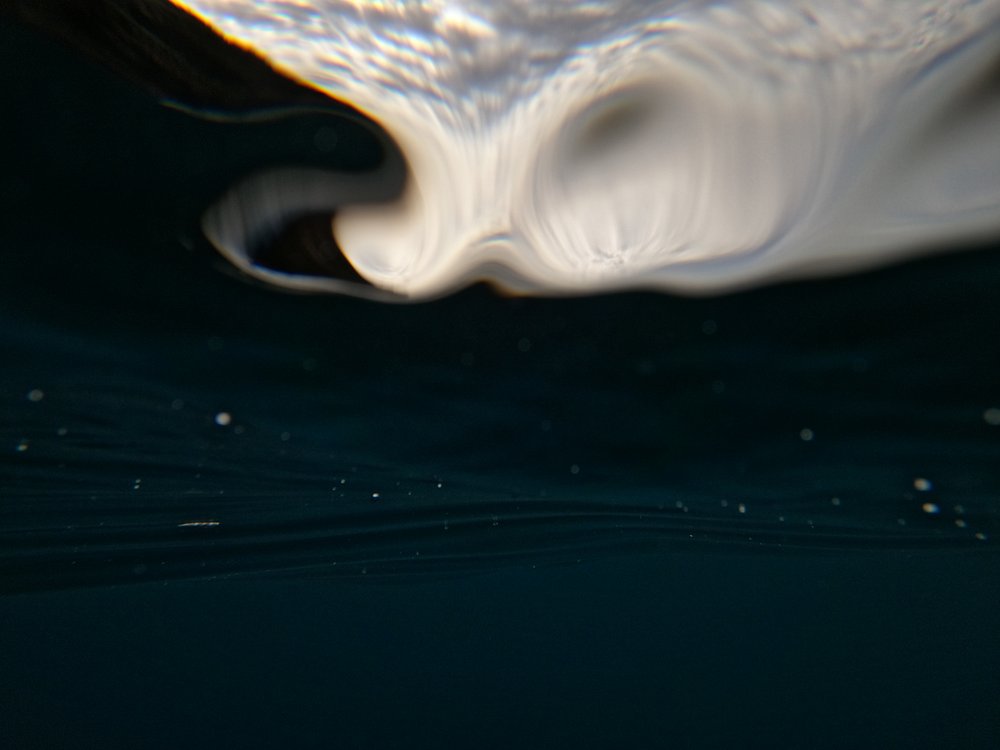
(559, 146)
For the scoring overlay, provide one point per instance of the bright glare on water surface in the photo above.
(689, 146)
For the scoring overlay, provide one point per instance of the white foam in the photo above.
(693, 146)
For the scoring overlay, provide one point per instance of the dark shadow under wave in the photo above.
(337, 437)
(343, 438)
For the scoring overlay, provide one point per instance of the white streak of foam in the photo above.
(693, 146)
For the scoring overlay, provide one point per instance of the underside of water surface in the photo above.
(162, 418)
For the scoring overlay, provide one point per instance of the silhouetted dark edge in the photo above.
(306, 246)
(160, 46)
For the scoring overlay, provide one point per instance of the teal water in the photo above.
(767, 519)
(851, 413)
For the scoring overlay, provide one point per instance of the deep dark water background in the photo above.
(519, 603)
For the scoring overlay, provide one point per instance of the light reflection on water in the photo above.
(476, 430)
(585, 147)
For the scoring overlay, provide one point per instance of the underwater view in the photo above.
(759, 511)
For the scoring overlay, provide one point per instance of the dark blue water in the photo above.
(762, 520)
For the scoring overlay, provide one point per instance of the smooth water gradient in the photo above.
(557, 147)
